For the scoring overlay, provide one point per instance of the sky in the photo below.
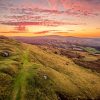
(79, 18)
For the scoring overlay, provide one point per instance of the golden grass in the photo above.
(31, 63)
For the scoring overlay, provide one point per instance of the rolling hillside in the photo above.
(27, 72)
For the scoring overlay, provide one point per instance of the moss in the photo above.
(35, 88)
(5, 86)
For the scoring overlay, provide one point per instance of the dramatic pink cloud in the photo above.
(38, 10)
(81, 6)
(20, 14)
(43, 23)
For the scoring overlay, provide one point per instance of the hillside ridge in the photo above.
(30, 73)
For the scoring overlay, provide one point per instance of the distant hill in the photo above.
(54, 40)
(27, 72)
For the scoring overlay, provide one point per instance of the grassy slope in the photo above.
(22, 75)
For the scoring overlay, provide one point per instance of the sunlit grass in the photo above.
(22, 75)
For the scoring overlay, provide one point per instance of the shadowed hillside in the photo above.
(27, 72)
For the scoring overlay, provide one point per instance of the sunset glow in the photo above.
(50, 17)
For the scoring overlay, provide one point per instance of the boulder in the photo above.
(4, 54)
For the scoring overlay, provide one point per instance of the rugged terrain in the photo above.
(29, 72)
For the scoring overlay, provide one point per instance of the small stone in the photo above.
(5, 54)
(45, 77)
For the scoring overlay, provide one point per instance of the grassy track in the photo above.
(20, 82)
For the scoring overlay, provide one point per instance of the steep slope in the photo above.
(29, 73)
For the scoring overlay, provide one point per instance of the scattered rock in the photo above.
(4, 54)
(45, 77)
